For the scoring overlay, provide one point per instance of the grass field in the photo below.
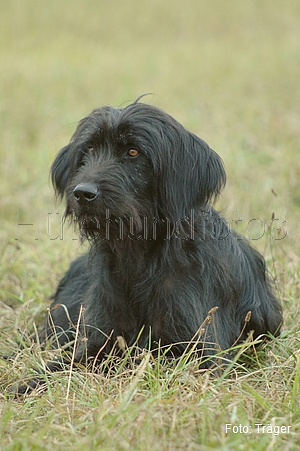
(229, 71)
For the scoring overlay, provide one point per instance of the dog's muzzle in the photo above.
(85, 192)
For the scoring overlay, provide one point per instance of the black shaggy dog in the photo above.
(140, 187)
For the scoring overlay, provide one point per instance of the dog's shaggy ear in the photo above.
(61, 170)
(207, 168)
(194, 176)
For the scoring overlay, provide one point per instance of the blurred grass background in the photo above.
(229, 71)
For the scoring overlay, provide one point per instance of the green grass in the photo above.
(229, 71)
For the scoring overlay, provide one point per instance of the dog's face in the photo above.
(125, 165)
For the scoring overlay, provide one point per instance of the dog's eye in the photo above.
(133, 152)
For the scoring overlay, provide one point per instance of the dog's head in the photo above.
(133, 163)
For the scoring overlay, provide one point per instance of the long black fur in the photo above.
(141, 188)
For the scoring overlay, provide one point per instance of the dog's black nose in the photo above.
(85, 192)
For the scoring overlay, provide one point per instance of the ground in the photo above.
(229, 71)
